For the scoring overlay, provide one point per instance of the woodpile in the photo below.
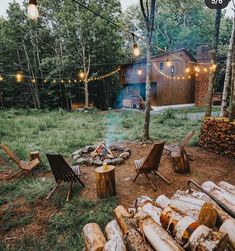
(187, 221)
(218, 135)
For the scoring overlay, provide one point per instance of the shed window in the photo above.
(161, 66)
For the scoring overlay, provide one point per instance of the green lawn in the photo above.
(64, 132)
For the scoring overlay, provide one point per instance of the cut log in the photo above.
(228, 227)
(220, 194)
(208, 215)
(178, 225)
(112, 229)
(133, 239)
(105, 182)
(115, 244)
(94, 238)
(163, 201)
(158, 237)
(122, 217)
(148, 207)
(204, 239)
(142, 199)
(227, 187)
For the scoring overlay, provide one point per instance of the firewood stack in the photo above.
(185, 222)
(218, 135)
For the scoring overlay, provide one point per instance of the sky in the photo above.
(125, 4)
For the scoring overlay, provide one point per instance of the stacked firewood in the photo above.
(218, 135)
(185, 222)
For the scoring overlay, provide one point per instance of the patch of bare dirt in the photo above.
(206, 166)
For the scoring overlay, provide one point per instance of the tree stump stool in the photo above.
(34, 155)
(105, 181)
(180, 161)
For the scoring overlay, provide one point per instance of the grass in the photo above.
(64, 132)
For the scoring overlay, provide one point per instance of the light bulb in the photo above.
(1, 78)
(33, 12)
(139, 71)
(136, 50)
(187, 70)
(82, 75)
(168, 63)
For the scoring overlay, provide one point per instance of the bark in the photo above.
(94, 238)
(232, 97)
(227, 187)
(212, 75)
(225, 197)
(217, 29)
(149, 13)
(148, 91)
(158, 237)
(224, 106)
(112, 229)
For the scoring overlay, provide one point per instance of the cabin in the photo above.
(171, 84)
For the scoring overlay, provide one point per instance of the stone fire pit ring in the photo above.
(83, 156)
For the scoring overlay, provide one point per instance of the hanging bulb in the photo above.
(33, 81)
(197, 69)
(45, 81)
(205, 69)
(54, 81)
(168, 63)
(187, 70)
(139, 71)
(82, 75)
(1, 78)
(19, 77)
(33, 10)
(136, 50)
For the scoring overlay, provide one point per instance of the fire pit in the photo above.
(97, 155)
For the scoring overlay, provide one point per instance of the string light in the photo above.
(45, 81)
(33, 12)
(197, 69)
(33, 81)
(205, 69)
(187, 70)
(54, 81)
(1, 78)
(19, 77)
(139, 72)
(82, 75)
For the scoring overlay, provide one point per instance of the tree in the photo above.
(227, 81)
(149, 12)
(214, 55)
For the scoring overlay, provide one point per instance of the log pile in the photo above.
(184, 222)
(218, 135)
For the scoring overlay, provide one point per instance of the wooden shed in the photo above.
(166, 87)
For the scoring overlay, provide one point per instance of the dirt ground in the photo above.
(206, 166)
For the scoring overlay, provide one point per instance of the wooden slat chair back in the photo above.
(186, 139)
(62, 172)
(10, 154)
(25, 166)
(151, 164)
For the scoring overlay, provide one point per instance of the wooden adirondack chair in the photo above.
(183, 142)
(151, 164)
(25, 166)
(62, 171)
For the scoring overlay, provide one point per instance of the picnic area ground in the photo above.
(28, 221)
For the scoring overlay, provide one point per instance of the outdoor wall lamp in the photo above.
(33, 12)
(136, 50)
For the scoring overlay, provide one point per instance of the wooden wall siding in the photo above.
(168, 92)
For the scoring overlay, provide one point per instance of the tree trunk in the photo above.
(86, 93)
(212, 75)
(217, 29)
(148, 89)
(224, 106)
(232, 97)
